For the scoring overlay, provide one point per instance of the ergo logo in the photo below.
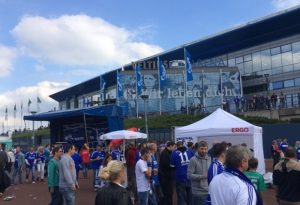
(242, 129)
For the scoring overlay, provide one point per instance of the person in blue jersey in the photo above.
(190, 146)
(40, 164)
(97, 158)
(155, 182)
(18, 165)
(30, 160)
(116, 153)
(284, 144)
(197, 173)
(180, 160)
(77, 160)
(216, 167)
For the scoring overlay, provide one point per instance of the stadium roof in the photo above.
(270, 28)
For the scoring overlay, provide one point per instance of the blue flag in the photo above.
(119, 85)
(188, 66)
(162, 74)
(138, 79)
(102, 84)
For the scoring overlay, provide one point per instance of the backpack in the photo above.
(85, 155)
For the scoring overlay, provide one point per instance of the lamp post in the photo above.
(32, 137)
(145, 98)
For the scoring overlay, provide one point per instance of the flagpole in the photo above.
(136, 91)
(159, 86)
(221, 89)
(185, 83)
(203, 92)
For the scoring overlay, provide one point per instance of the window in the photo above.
(275, 51)
(297, 82)
(286, 48)
(239, 60)
(247, 58)
(296, 52)
(248, 67)
(265, 59)
(276, 61)
(231, 63)
(287, 58)
(289, 83)
(287, 68)
(256, 62)
(277, 85)
(297, 66)
(276, 70)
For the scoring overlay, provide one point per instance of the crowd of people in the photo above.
(153, 173)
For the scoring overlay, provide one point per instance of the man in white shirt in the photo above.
(143, 172)
(232, 186)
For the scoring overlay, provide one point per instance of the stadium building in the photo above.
(258, 58)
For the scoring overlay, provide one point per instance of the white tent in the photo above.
(222, 126)
(123, 134)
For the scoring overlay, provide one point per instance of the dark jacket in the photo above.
(113, 194)
(165, 170)
(287, 177)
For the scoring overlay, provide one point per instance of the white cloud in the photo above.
(80, 40)
(23, 94)
(7, 56)
(285, 4)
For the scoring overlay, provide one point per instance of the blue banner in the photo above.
(188, 65)
(102, 84)
(119, 85)
(139, 82)
(162, 74)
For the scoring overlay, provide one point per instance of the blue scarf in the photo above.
(243, 177)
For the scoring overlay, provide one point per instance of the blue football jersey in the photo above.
(180, 160)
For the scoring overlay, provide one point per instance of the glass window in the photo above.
(239, 60)
(241, 68)
(276, 61)
(297, 82)
(277, 85)
(276, 70)
(256, 62)
(231, 63)
(287, 58)
(265, 59)
(286, 48)
(289, 83)
(297, 66)
(275, 51)
(247, 58)
(296, 52)
(287, 68)
(248, 67)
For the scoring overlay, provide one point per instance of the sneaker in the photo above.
(33, 182)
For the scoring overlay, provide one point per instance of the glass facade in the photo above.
(203, 94)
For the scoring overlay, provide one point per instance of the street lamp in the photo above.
(145, 98)
(32, 137)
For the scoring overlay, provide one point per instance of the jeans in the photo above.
(184, 193)
(85, 170)
(68, 195)
(32, 170)
(96, 180)
(56, 197)
(199, 199)
(143, 197)
(167, 189)
(17, 171)
(152, 199)
(40, 169)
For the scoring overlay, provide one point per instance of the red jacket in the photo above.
(130, 158)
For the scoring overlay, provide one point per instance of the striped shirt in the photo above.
(227, 189)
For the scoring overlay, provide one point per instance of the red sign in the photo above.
(241, 129)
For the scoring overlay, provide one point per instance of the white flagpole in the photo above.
(185, 84)
(159, 86)
(203, 92)
(136, 91)
(221, 89)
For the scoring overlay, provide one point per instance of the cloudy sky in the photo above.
(49, 45)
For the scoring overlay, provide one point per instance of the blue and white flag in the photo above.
(162, 74)
(188, 66)
(102, 84)
(119, 85)
(139, 82)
